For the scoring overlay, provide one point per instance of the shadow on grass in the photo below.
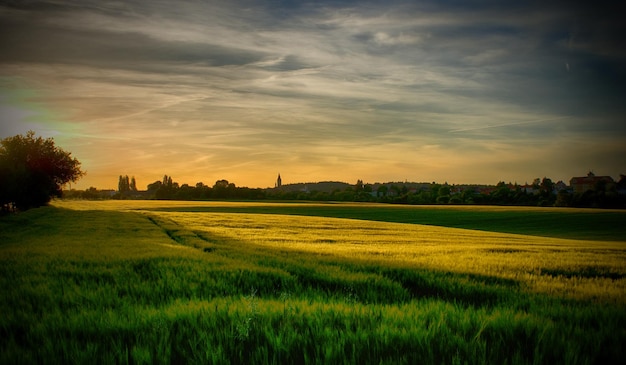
(591, 272)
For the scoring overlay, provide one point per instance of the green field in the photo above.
(189, 282)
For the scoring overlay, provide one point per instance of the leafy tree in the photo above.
(123, 184)
(444, 190)
(220, 189)
(502, 194)
(167, 189)
(382, 191)
(546, 189)
(359, 186)
(185, 192)
(536, 183)
(33, 170)
(221, 184)
(154, 186)
(126, 185)
(120, 184)
(91, 193)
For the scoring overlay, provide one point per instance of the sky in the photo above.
(448, 91)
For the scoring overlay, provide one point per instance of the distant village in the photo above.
(582, 191)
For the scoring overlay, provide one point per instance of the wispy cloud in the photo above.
(406, 90)
(506, 124)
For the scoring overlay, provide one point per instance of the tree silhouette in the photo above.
(33, 170)
(123, 185)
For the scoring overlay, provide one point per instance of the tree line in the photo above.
(33, 171)
(168, 189)
(542, 192)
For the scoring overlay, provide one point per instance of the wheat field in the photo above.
(210, 282)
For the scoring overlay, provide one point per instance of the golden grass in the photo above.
(509, 256)
(581, 269)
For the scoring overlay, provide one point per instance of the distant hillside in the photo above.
(330, 186)
(323, 186)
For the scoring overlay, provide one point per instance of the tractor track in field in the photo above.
(182, 237)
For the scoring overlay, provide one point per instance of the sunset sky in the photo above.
(456, 91)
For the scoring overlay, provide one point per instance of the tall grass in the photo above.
(112, 286)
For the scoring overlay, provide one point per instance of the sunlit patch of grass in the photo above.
(531, 260)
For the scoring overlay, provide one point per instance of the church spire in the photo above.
(279, 181)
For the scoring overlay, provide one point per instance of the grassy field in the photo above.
(189, 282)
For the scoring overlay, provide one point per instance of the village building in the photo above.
(583, 183)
